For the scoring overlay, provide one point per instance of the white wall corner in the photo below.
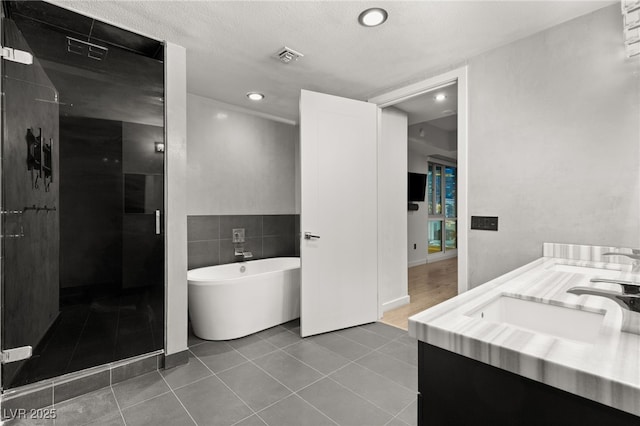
(175, 199)
(395, 303)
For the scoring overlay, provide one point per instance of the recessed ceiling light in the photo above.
(255, 96)
(373, 17)
(440, 97)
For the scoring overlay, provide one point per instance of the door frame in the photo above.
(396, 96)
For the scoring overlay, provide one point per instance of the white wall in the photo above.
(175, 199)
(238, 163)
(392, 204)
(554, 131)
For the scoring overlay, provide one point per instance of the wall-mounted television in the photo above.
(417, 186)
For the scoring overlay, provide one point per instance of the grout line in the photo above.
(118, 404)
(176, 396)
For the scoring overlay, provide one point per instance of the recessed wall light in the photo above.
(440, 97)
(255, 96)
(373, 17)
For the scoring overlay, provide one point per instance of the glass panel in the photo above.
(438, 189)
(429, 194)
(450, 232)
(450, 191)
(435, 236)
(83, 282)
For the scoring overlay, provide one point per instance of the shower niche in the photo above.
(82, 193)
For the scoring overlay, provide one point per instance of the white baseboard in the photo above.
(417, 262)
(435, 257)
(396, 303)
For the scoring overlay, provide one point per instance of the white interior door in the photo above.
(338, 164)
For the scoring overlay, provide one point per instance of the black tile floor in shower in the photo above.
(93, 330)
(363, 376)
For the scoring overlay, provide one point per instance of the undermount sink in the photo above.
(586, 270)
(557, 321)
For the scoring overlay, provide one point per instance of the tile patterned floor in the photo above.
(362, 376)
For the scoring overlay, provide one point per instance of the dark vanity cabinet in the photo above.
(456, 390)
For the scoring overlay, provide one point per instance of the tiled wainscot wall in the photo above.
(209, 237)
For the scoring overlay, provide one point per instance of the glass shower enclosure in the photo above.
(82, 193)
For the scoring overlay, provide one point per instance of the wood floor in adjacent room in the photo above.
(429, 285)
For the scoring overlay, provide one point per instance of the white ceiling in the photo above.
(425, 107)
(230, 44)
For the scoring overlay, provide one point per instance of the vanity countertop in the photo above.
(606, 371)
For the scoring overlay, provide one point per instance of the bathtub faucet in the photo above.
(239, 251)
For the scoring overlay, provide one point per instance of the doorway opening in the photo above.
(436, 224)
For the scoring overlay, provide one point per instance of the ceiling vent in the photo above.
(286, 55)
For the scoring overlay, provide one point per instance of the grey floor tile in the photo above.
(364, 337)
(86, 408)
(288, 370)
(210, 402)
(193, 340)
(410, 414)
(251, 421)
(218, 356)
(14, 419)
(377, 389)
(401, 352)
(292, 324)
(281, 337)
(408, 340)
(254, 386)
(316, 356)
(139, 388)
(397, 371)
(342, 405)
(114, 419)
(340, 345)
(162, 410)
(294, 411)
(385, 330)
(252, 346)
(185, 374)
(396, 422)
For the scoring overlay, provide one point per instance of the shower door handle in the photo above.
(157, 222)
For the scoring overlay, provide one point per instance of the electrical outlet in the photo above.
(415, 246)
(484, 223)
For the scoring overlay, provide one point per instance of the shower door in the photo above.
(82, 194)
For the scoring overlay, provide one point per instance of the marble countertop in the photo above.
(606, 371)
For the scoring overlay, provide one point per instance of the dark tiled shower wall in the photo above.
(209, 237)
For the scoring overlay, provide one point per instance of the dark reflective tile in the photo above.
(81, 386)
(278, 246)
(227, 251)
(278, 224)
(342, 405)
(294, 411)
(203, 253)
(252, 225)
(162, 410)
(201, 228)
(210, 402)
(134, 369)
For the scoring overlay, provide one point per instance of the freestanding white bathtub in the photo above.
(227, 301)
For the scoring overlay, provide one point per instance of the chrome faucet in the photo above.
(635, 256)
(628, 299)
(239, 251)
